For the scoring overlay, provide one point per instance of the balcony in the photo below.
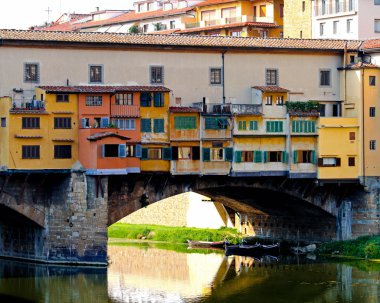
(125, 110)
(229, 108)
(246, 109)
(27, 106)
(337, 8)
(192, 25)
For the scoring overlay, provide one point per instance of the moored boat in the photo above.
(252, 250)
(207, 244)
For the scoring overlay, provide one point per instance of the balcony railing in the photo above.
(229, 108)
(27, 105)
(125, 110)
(192, 25)
(254, 109)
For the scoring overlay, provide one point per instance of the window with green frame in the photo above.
(253, 125)
(145, 99)
(303, 126)
(158, 125)
(242, 125)
(185, 122)
(146, 126)
(158, 100)
(274, 126)
(216, 123)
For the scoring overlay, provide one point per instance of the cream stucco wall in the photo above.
(185, 73)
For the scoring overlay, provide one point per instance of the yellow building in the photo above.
(256, 18)
(41, 133)
(298, 19)
(154, 113)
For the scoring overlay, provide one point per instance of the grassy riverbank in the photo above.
(171, 234)
(364, 247)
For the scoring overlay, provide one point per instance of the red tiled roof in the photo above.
(371, 44)
(360, 65)
(27, 137)
(99, 136)
(230, 25)
(271, 89)
(102, 89)
(178, 109)
(112, 39)
(62, 140)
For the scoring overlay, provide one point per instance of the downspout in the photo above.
(223, 82)
(362, 124)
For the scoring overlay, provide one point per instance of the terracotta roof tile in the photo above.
(313, 113)
(360, 65)
(99, 136)
(27, 137)
(371, 44)
(178, 109)
(230, 25)
(102, 89)
(271, 89)
(112, 39)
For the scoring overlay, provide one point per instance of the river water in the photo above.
(162, 273)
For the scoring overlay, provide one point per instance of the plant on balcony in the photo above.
(134, 29)
(157, 26)
(302, 107)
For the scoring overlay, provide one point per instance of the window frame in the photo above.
(65, 98)
(372, 80)
(154, 79)
(269, 77)
(29, 156)
(27, 71)
(216, 151)
(321, 71)
(92, 80)
(90, 100)
(63, 155)
(126, 99)
(25, 125)
(372, 111)
(213, 77)
(372, 144)
(65, 123)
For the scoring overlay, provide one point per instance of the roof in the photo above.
(213, 2)
(271, 89)
(101, 89)
(111, 39)
(102, 135)
(371, 44)
(360, 65)
(230, 25)
(178, 109)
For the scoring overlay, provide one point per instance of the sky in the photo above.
(21, 14)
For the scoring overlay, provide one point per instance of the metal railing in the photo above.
(28, 105)
(228, 108)
(125, 110)
(192, 25)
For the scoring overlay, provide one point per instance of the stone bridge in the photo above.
(63, 218)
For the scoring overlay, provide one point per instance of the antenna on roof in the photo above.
(48, 12)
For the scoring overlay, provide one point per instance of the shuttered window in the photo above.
(303, 126)
(145, 100)
(242, 125)
(258, 156)
(253, 125)
(30, 151)
(274, 126)
(62, 151)
(158, 99)
(185, 122)
(158, 126)
(60, 122)
(146, 126)
(216, 123)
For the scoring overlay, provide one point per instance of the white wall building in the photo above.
(346, 19)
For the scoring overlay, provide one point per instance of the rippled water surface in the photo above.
(148, 273)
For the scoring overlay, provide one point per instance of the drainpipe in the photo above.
(362, 125)
(223, 82)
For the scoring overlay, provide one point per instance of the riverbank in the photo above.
(367, 247)
(171, 234)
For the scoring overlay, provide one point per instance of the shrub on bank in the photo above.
(171, 234)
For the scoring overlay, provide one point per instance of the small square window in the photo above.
(215, 76)
(372, 111)
(325, 78)
(377, 25)
(372, 80)
(351, 161)
(271, 77)
(62, 98)
(372, 144)
(349, 25)
(31, 73)
(96, 73)
(157, 75)
(352, 136)
(3, 122)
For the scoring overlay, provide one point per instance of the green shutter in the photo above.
(146, 126)
(293, 126)
(313, 157)
(258, 156)
(178, 123)
(266, 156)
(312, 126)
(206, 155)
(284, 157)
(253, 125)
(242, 125)
(228, 154)
(167, 153)
(280, 126)
(211, 123)
(185, 122)
(144, 153)
(158, 125)
(295, 157)
(237, 156)
(268, 126)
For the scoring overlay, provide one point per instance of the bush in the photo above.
(372, 250)
(298, 106)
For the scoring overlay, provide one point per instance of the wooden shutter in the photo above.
(295, 156)
(103, 150)
(284, 157)
(206, 155)
(266, 156)
(104, 122)
(167, 153)
(146, 126)
(238, 156)
(122, 151)
(337, 161)
(228, 154)
(195, 153)
(280, 126)
(144, 153)
(313, 157)
(258, 156)
(83, 122)
(138, 151)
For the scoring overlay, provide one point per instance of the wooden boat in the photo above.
(271, 249)
(256, 249)
(207, 244)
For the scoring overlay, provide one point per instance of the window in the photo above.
(268, 100)
(158, 100)
(172, 24)
(335, 27)
(3, 122)
(30, 122)
(247, 156)
(31, 73)
(350, 5)
(303, 156)
(351, 136)
(349, 25)
(62, 151)
(215, 76)
(124, 99)
(263, 10)
(264, 33)
(158, 125)
(85, 122)
(303, 126)
(96, 74)
(372, 144)
(274, 126)
(322, 29)
(184, 153)
(62, 122)
(253, 125)
(281, 11)
(271, 77)
(145, 99)
(146, 126)
(275, 156)
(185, 122)
(280, 100)
(377, 2)
(217, 154)
(114, 150)
(156, 74)
(329, 162)
(145, 28)
(235, 33)
(322, 110)
(154, 153)
(126, 124)
(242, 125)
(140, 7)
(300, 34)
(303, 6)
(337, 6)
(208, 15)
(372, 111)
(325, 78)
(324, 7)
(372, 80)
(150, 6)
(352, 59)
(216, 123)
(228, 13)
(94, 100)
(62, 98)
(351, 161)
(30, 151)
